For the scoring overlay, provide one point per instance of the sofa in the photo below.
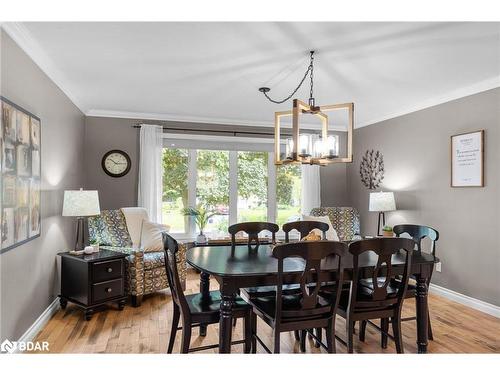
(120, 230)
(345, 220)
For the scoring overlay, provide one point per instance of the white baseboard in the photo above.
(40, 322)
(474, 303)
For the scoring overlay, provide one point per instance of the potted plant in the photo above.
(201, 214)
(387, 231)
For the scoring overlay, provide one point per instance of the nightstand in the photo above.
(93, 280)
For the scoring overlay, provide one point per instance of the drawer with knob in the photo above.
(106, 290)
(109, 270)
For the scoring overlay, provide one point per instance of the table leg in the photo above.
(205, 291)
(226, 320)
(422, 314)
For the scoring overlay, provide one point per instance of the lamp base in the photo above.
(381, 217)
(80, 234)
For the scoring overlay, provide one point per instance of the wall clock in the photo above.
(116, 163)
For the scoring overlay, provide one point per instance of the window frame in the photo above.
(232, 144)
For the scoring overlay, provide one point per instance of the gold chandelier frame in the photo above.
(299, 107)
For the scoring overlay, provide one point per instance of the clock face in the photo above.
(116, 163)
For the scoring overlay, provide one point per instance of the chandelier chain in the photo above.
(311, 96)
(309, 72)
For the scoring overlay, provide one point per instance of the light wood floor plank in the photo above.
(457, 329)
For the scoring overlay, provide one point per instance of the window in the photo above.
(252, 186)
(237, 178)
(212, 187)
(175, 188)
(288, 193)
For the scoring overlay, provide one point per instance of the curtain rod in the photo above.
(234, 133)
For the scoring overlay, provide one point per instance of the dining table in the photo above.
(241, 266)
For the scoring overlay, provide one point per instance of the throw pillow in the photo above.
(151, 239)
(331, 233)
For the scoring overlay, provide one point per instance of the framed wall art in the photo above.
(20, 156)
(467, 159)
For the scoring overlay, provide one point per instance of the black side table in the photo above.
(93, 280)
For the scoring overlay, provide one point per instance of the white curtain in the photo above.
(311, 188)
(151, 171)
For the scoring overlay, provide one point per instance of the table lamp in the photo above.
(80, 203)
(381, 202)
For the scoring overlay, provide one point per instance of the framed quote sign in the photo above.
(20, 144)
(467, 159)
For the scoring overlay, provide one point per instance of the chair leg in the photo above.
(362, 330)
(253, 322)
(398, 337)
(319, 335)
(276, 341)
(350, 332)
(247, 323)
(186, 336)
(303, 335)
(429, 334)
(297, 335)
(173, 331)
(330, 337)
(384, 326)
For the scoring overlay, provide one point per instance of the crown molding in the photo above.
(192, 119)
(174, 118)
(462, 92)
(22, 37)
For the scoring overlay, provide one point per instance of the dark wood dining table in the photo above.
(236, 267)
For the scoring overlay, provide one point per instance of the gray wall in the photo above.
(104, 134)
(334, 180)
(416, 149)
(29, 273)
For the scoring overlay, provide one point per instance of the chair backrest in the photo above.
(378, 278)
(304, 228)
(171, 248)
(418, 233)
(109, 228)
(318, 257)
(345, 220)
(253, 229)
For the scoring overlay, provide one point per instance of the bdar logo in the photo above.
(8, 347)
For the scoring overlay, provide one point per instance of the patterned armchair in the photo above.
(120, 230)
(345, 220)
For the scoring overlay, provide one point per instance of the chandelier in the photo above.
(310, 145)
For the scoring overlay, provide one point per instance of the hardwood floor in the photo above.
(457, 329)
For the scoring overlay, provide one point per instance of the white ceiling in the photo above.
(211, 71)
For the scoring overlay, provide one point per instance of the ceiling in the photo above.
(210, 72)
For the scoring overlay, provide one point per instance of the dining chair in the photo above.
(417, 233)
(372, 295)
(307, 309)
(197, 309)
(253, 228)
(304, 228)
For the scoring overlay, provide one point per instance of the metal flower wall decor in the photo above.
(371, 169)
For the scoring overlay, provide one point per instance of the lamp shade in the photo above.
(81, 203)
(382, 201)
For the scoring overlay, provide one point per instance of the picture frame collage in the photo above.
(20, 189)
